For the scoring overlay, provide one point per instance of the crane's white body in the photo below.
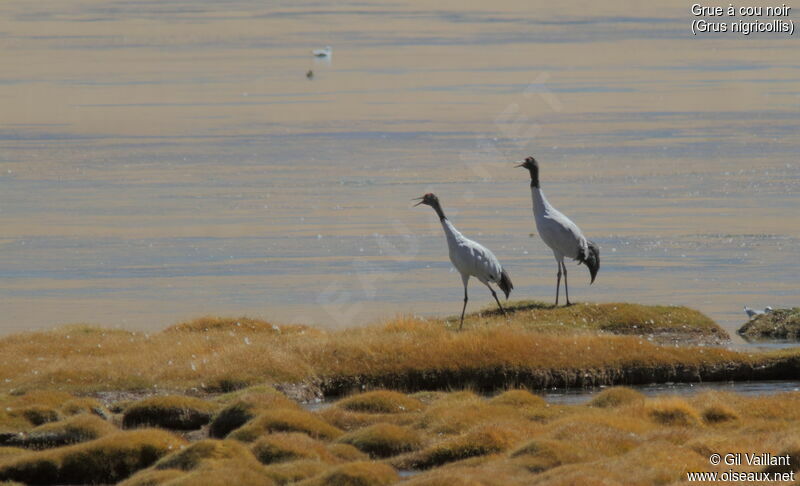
(556, 230)
(470, 258)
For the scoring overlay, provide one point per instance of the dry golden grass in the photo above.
(215, 354)
(457, 438)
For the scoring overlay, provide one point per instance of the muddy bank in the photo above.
(494, 379)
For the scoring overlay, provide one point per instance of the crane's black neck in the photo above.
(534, 170)
(438, 208)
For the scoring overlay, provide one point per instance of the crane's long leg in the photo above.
(566, 287)
(466, 281)
(558, 279)
(496, 299)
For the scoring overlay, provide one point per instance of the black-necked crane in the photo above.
(560, 233)
(470, 258)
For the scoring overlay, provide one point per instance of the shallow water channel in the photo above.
(577, 396)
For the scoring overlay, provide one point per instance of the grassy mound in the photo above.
(617, 317)
(207, 462)
(383, 440)
(80, 405)
(381, 401)
(295, 471)
(615, 397)
(79, 428)
(153, 477)
(355, 474)
(106, 460)
(285, 420)
(672, 411)
(717, 413)
(291, 446)
(480, 441)
(347, 453)
(169, 411)
(778, 324)
(243, 325)
(192, 457)
(518, 398)
(244, 405)
(540, 455)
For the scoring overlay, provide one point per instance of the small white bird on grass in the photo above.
(560, 233)
(327, 52)
(751, 313)
(470, 258)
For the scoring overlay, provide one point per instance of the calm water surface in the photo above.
(162, 161)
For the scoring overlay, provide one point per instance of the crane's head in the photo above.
(430, 199)
(533, 167)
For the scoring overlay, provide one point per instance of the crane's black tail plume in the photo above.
(591, 257)
(505, 283)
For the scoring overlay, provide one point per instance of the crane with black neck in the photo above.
(470, 258)
(560, 233)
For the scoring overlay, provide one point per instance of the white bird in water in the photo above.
(751, 313)
(560, 233)
(470, 258)
(327, 52)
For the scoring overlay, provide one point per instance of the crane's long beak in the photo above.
(520, 165)
(418, 199)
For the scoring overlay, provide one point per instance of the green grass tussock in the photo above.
(285, 420)
(109, 459)
(168, 411)
(383, 440)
